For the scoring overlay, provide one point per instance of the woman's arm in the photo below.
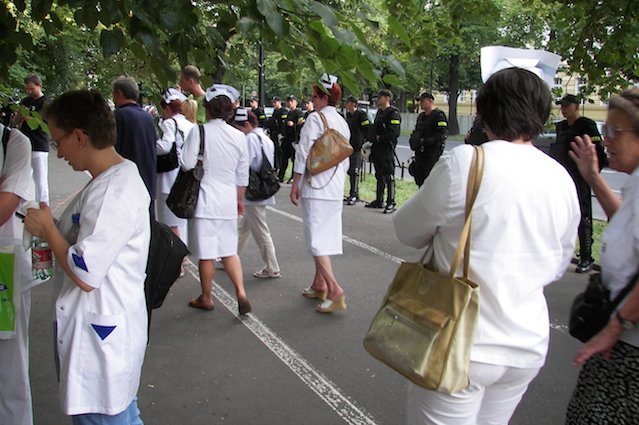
(40, 223)
(584, 153)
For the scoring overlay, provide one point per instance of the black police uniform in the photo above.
(383, 135)
(428, 140)
(261, 116)
(291, 137)
(275, 128)
(566, 133)
(358, 123)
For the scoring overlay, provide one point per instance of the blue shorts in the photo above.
(130, 416)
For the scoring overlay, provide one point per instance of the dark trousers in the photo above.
(584, 231)
(423, 166)
(354, 172)
(287, 153)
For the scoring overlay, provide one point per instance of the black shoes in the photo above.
(390, 208)
(374, 204)
(584, 266)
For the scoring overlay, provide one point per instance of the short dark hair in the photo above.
(127, 86)
(33, 78)
(514, 103)
(86, 110)
(252, 118)
(191, 71)
(219, 107)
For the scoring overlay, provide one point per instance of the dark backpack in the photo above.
(166, 252)
(262, 183)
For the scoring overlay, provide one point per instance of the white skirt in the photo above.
(165, 215)
(322, 226)
(211, 238)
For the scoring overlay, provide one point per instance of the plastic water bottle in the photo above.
(41, 259)
(75, 229)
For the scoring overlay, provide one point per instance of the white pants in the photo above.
(15, 389)
(493, 395)
(254, 222)
(40, 165)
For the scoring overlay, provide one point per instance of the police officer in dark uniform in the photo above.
(254, 103)
(576, 125)
(383, 136)
(358, 123)
(275, 127)
(291, 133)
(428, 138)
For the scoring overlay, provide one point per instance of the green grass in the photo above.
(406, 189)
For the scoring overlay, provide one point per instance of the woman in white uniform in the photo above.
(321, 197)
(213, 229)
(175, 129)
(101, 245)
(254, 219)
(16, 187)
(523, 237)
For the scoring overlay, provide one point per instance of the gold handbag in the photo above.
(328, 150)
(424, 329)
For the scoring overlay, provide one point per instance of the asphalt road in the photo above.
(284, 363)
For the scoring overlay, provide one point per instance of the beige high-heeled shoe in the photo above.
(329, 306)
(314, 293)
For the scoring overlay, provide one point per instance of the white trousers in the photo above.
(40, 165)
(493, 395)
(254, 222)
(15, 389)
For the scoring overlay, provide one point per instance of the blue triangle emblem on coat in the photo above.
(103, 331)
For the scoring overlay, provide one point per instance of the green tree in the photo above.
(163, 35)
(598, 40)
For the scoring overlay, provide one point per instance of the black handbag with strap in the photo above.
(182, 199)
(591, 310)
(168, 161)
(263, 183)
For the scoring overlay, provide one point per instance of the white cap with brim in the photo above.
(230, 89)
(213, 92)
(173, 94)
(241, 115)
(539, 62)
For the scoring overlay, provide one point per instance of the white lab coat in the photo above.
(102, 334)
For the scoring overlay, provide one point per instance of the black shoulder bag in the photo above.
(591, 310)
(168, 161)
(262, 183)
(184, 193)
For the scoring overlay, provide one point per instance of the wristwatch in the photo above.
(626, 324)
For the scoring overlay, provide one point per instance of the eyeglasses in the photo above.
(55, 143)
(613, 132)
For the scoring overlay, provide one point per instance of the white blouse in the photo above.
(523, 236)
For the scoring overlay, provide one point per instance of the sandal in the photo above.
(265, 274)
(198, 303)
(314, 293)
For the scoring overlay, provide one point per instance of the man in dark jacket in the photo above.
(383, 136)
(358, 123)
(254, 103)
(291, 135)
(275, 126)
(136, 133)
(576, 125)
(428, 138)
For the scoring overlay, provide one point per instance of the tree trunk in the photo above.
(453, 93)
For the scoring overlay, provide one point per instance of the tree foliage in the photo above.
(163, 35)
(599, 40)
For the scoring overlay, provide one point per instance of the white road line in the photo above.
(316, 381)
